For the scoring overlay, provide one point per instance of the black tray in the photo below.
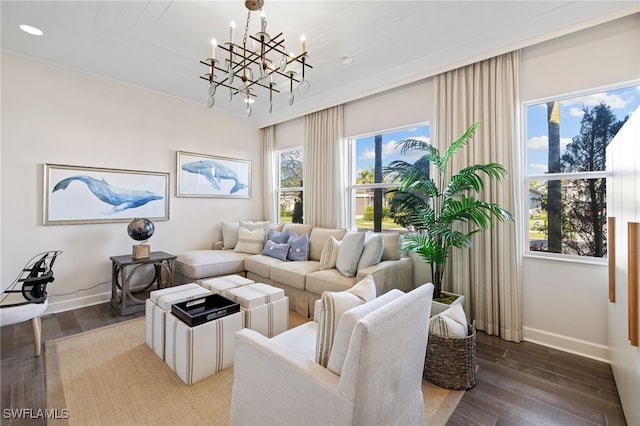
(204, 309)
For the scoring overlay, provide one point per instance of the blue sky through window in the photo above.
(365, 146)
(622, 102)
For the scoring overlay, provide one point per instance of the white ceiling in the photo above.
(157, 44)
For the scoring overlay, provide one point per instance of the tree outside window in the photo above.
(369, 155)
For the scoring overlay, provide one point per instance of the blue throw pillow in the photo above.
(279, 251)
(279, 237)
(299, 249)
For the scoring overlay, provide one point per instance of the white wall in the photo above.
(55, 115)
(565, 303)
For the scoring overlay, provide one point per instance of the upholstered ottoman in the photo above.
(220, 284)
(265, 308)
(158, 305)
(195, 353)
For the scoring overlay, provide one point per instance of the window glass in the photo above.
(565, 157)
(370, 154)
(290, 167)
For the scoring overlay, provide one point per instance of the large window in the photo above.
(565, 156)
(369, 155)
(290, 166)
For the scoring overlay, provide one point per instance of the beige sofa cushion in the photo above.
(328, 279)
(319, 237)
(294, 274)
(298, 228)
(196, 264)
(260, 264)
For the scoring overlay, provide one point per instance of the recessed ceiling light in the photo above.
(346, 59)
(31, 30)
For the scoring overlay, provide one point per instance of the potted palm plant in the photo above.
(440, 214)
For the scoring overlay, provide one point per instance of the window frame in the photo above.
(545, 177)
(352, 187)
(280, 189)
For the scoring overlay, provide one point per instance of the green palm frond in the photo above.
(456, 145)
(432, 213)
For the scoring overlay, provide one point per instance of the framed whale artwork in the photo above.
(200, 175)
(78, 195)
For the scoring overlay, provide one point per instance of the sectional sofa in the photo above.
(310, 261)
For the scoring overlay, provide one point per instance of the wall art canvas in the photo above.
(200, 175)
(78, 195)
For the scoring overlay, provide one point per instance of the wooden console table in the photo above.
(123, 268)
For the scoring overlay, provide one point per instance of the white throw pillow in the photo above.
(251, 242)
(333, 305)
(229, 234)
(348, 322)
(450, 323)
(351, 248)
(329, 254)
(365, 289)
(372, 252)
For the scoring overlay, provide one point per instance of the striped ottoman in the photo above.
(158, 306)
(265, 308)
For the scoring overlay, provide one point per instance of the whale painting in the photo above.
(93, 195)
(120, 199)
(207, 176)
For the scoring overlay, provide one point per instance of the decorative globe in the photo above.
(140, 229)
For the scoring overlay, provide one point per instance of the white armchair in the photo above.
(278, 382)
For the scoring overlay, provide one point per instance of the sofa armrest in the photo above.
(264, 368)
(390, 274)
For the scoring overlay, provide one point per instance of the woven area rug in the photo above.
(109, 376)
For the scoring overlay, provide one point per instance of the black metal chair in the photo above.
(32, 282)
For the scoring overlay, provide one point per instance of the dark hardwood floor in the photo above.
(518, 384)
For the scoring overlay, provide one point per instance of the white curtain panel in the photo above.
(325, 169)
(269, 197)
(488, 274)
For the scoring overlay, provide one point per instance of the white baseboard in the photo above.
(79, 302)
(567, 344)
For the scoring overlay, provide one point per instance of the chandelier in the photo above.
(245, 68)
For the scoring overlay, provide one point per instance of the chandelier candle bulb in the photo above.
(302, 44)
(263, 21)
(214, 44)
(232, 28)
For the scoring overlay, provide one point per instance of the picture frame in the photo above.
(81, 195)
(210, 176)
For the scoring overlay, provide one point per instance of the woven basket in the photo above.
(451, 361)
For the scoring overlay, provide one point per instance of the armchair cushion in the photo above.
(346, 325)
(334, 304)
